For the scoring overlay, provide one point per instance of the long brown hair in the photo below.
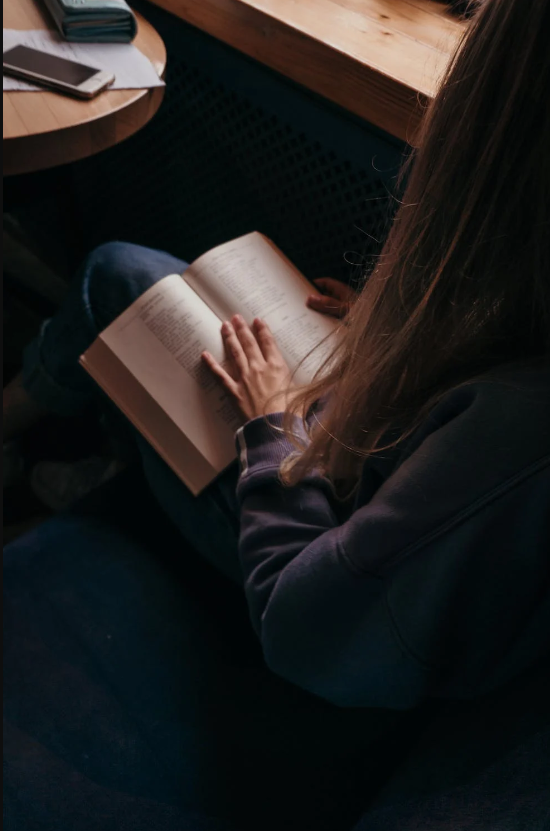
(462, 283)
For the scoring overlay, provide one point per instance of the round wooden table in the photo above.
(45, 129)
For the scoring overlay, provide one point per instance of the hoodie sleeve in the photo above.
(318, 621)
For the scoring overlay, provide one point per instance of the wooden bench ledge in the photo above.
(379, 59)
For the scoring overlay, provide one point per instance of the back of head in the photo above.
(463, 282)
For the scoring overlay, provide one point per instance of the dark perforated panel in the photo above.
(234, 149)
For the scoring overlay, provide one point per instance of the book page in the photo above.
(251, 277)
(159, 339)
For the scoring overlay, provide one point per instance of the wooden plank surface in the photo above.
(380, 59)
(45, 129)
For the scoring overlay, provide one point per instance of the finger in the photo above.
(329, 286)
(247, 339)
(327, 305)
(325, 281)
(218, 370)
(233, 348)
(266, 341)
(334, 288)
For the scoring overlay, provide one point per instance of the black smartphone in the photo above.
(55, 73)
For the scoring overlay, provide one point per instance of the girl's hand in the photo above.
(336, 298)
(259, 376)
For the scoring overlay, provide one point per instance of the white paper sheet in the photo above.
(132, 70)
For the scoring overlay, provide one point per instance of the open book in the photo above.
(149, 360)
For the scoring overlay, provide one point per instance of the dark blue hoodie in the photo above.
(436, 582)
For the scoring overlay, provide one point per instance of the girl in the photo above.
(392, 544)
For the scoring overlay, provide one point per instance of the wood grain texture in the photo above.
(379, 59)
(44, 129)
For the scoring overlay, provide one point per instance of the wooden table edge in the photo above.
(72, 144)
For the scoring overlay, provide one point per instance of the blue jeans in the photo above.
(112, 277)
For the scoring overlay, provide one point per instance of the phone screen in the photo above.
(49, 66)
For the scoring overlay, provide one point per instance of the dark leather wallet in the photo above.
(94, 21)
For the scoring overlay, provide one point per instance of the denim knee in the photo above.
(117, 273)
(112, 277)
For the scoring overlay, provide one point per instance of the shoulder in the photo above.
(514, 392)
(478, 464)
(489, 429)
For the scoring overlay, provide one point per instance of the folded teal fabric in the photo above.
(94, 21)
